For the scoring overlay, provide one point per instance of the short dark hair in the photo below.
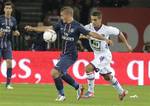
(96, 13)
(9, 3)
(68, 9)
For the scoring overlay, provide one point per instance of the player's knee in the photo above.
(89, 68)
(107, 77)
(9, 63)
(55, 73)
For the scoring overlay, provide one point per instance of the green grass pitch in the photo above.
(44, 95)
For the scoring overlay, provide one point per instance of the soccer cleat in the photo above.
(9, 87)
(121, 96)
(60, 98)
(80, 92)
(88, 94)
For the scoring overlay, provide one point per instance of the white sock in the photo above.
(91, 81)
(117, 85)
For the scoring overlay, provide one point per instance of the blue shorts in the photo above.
(65, 62)
(6, 53)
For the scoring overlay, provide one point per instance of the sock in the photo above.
(67, 78)
(91, 81)
(59, 86)
(117, 85)
(9, 74)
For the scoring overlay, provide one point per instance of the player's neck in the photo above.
(69, 20)
(99, 26)
(7, 15)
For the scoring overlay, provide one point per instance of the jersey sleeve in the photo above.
(113, 31)
(14, 28)
(83, 30)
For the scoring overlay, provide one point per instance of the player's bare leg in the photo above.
(59, 85)
(91, 80)
(9, 74)
(122, 93)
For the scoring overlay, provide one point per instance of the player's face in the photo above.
(96, 21)
(64, 16)
(8, 9)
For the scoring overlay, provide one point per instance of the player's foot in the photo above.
(88, 94)
(60, 98)
(80, 92)
(9, 87)
(121, 96)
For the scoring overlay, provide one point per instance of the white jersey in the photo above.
(99, 45)
(101, 50)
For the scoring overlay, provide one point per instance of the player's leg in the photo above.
(60, 72)
(58, 83)
(67, 78)
(9, 73)
(68, 61)
(90, 80)
(7, 55)
(112, 79)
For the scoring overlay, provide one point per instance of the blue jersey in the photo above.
(7, 25)
(70, 34)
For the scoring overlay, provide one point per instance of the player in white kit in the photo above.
(102, 55)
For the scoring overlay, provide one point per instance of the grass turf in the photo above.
(44, 95)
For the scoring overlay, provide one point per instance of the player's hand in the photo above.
(28, 28)
(129, 47)
(84, 37)
(110, 42)
(1, 34)
(16, 33)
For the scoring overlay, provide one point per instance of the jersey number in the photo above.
(96, 44)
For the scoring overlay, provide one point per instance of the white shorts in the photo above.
(102, 62)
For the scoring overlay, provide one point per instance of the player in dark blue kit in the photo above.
(8, 28)
(70, 31)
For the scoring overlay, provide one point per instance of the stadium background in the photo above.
(128, 15)
(34, 58)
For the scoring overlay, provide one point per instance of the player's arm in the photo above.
(95, 35)
(124, 40)
(1, 33)
(38, 29)
(100, 37)
(16, 33)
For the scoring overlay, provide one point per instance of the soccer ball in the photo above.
(49, 36)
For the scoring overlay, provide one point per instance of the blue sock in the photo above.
(59, 86)
(67, 78)
(9, 74)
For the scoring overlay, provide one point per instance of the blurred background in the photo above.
(132, 17)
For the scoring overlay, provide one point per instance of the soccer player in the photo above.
(102, 55)
(8, 27)
(70, 31)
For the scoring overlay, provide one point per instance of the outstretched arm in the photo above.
(16, 33)
(100, 37)
(124, 40)
(38, 29)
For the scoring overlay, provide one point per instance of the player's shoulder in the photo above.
(13, 18)
(108, 28)
(76, 23)
(1, 16)
(89, 26)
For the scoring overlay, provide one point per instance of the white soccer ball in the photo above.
(49, 36)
